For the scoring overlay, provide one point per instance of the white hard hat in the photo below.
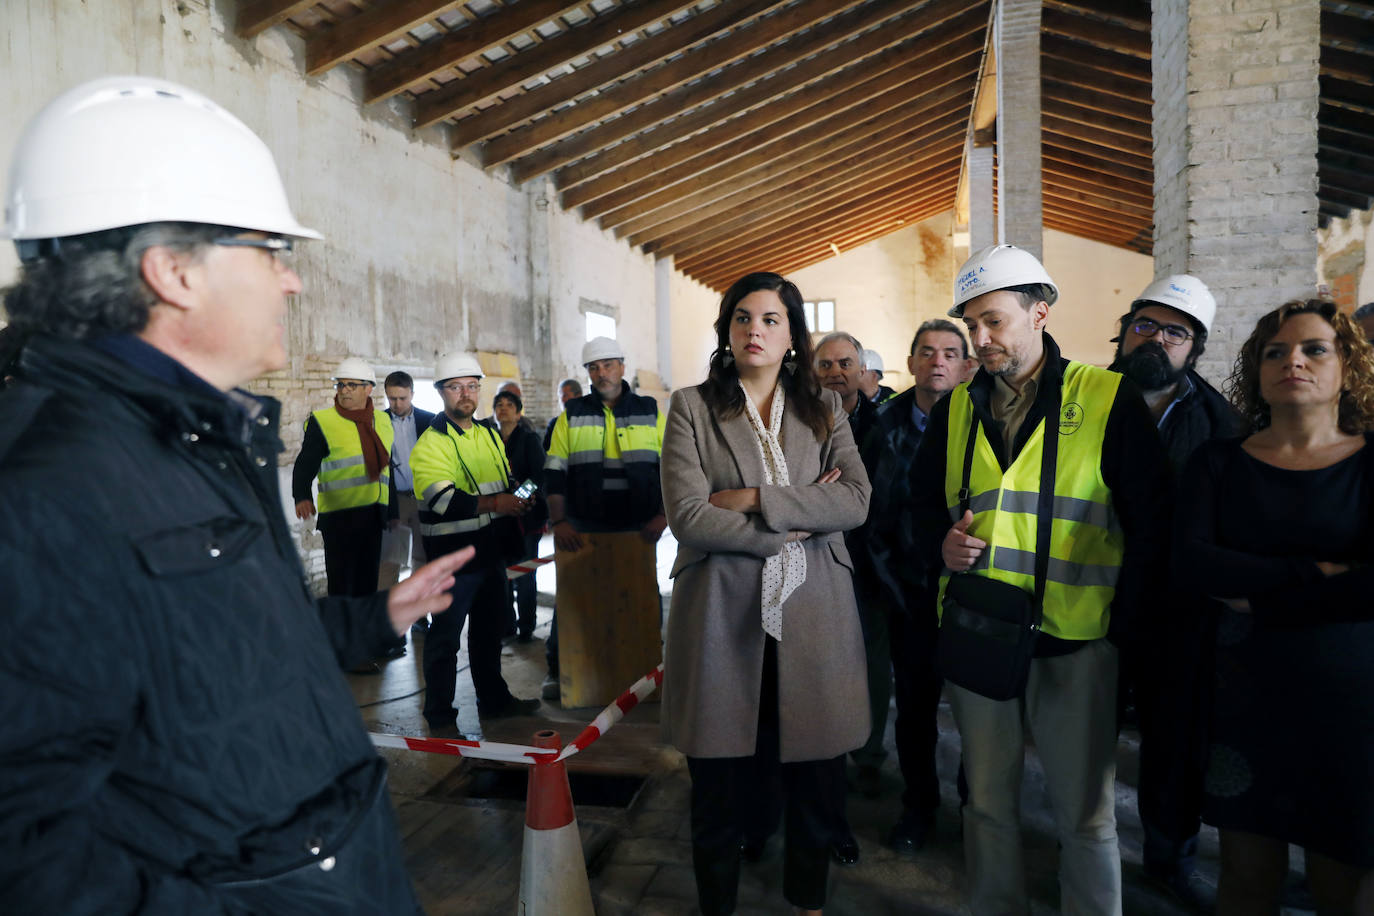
(601, 348)
(1187, 294)
(999, 267)
(457, 365)
(355, 368)
(128, 150)
(873, 361)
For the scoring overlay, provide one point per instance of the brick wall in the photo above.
(1235, 130)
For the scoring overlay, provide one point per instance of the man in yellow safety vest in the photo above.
(1110, 481)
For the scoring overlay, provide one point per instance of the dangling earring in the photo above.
(789, 361)
(727, 357)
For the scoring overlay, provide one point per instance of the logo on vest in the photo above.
(1070, 418)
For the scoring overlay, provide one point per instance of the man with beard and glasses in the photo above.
(1168, 668)
(1109, 483)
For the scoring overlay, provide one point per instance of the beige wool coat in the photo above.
(713, 657)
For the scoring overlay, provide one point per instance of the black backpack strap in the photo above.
(964, 494)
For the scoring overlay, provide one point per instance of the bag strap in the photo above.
(1044, 513)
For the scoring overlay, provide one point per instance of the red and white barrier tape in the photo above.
(525, 567)
(521, 753)
(615, 712)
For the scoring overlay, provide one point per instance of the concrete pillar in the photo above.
(1235, 156)
(540, 398)
(1017, 37)
(982, 221)
(663, 302)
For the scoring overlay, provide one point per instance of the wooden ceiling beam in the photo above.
(1131, 14)
(1134, 97)
(768, 101)
(1066, 202)
(1355, 33)
(918, 178)
(439, 54)
(1090, 147)
(739, 43)
(1096, 120)
(1138, 112)
(782, 140)
(1345, 198)
(1347, 65)
(1103, 34)
(257, 16)
(1343, 158)
(1078, 54)
(1339, 126)
(1337, 175)
(1076, 190)
(1136, 244)
(845, 174)
(1133, 192)
(805, 207)
(618, 65)
(754, 69)
(1113, 234)
(790, 255)
(378, 25)
(1358, 97)
(1052, 150)
(826, 152)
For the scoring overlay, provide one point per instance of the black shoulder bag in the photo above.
(988, 630)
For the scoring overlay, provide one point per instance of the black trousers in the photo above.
(916, 689)
(736, 797)
(480, 598)
(524, 591)
(352, 556)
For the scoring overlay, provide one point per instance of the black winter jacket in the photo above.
(177, 735)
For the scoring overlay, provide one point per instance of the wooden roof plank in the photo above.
(659, 149)
(257, 16)
(1123, 66)
(694, 195)
(487, 83)
(1070, 136)
(737, 44)
(433, 57)
(370, 28)
(1053, 149)
(1096, 120)
(604, 70)
(1130, 191)
(776, 57)
(1079, 191)
(780, 139)
(1104, 34)
(1132, 14)
(1133, 97)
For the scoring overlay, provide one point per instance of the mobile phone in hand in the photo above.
(527, 490)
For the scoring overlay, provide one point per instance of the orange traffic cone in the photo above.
(553, 874)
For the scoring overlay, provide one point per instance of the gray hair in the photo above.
(572, 383)
(89, 285)
(1364, 311)
(845, 336)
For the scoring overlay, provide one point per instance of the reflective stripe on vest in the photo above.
(1086, 542)
(473, 461)
(635, 441)
(343, 480)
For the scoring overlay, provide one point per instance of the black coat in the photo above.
(178, 737)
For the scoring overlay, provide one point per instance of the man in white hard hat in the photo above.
(1054, 479)
(1167, 668)
(348, 447)
(178, 737)
(601, 473)
(463, 482)
(871, 382)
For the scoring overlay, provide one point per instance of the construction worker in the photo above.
(178, 737)
(601, 473)
(462, 480)
(1109, 483)
(871, 381)
(1168, 670)
(348, 447)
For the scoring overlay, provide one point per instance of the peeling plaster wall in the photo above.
(1345, 254)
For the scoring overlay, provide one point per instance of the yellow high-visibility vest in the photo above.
(473, 461)
(343, 474)
(1086, 542)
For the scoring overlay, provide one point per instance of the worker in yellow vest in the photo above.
(463, 484)
(980, 502)
(347, 448)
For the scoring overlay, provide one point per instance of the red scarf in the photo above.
(375, 456)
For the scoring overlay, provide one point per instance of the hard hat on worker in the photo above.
(599, 348)
(1183, 293)
(354, 368)
(130, 150)
(457, 365)
(1000, 267)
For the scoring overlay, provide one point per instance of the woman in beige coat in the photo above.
(764, 685)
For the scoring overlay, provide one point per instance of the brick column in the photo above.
(982, 221)
(1235, 156)
(1017, 37)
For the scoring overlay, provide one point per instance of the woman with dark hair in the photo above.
(1278, 525)
(764, 687)
(525, 453)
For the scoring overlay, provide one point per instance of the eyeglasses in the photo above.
(1173, 334)
(351, 386)
(460, 387)
(278, 246)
